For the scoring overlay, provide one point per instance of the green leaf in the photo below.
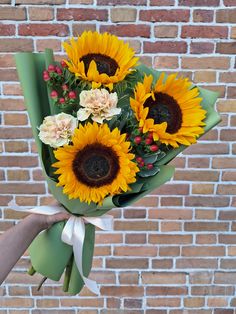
(149, 173)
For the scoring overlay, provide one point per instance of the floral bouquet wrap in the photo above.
(105, 127)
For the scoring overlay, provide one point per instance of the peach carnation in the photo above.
(98, 103)
(57, 130)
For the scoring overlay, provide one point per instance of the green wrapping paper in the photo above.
(49, 255)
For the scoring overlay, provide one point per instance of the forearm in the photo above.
(15, 241)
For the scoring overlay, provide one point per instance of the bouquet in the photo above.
(105, 127)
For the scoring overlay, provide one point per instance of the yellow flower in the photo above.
(102, 59)
(170, 109)
(98, 164)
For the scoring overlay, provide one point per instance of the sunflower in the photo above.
(170, 109)
(96, 165)
(102, 59)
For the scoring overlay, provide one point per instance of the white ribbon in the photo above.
(73, 233)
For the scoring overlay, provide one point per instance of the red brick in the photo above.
(226, 48)
(204, 201)
(169, 251)
(231, 92)
(135, 251)
(127, 30)
(204, 31)
(163, 278)
(198, 162)
(171, 201)
(203, 251)
(15, 119)
(78, 29)
(135, 238)
(201, 277)
(123, 291)
(12, 13)
(60, 30)
(16, 45)
(162, 263)
(203, 16)
(173, 189)
(206, 239)
(199, 3)
(227, 215)
(202, 188)
(127, 263)
(205, 63)
(197, 263)
(122, 2)
(18, 175)
(227, 238)
(205, 226)
(123, 14)
(135, 213)
(8, 75)
(225, 278)
(16, 302)
(81, 14)
(191, 302)
(228, 77)
(166, 290)
(163, 302)
(16, 133)
(212, 290)
(7, 29)
(170, 239)
(229, 3)
(201, 48)
(12, 89)
(129, 278)
(219, 162)
(40, 14)
(163, 31)
(133, 303)
(170, 214)
(16, 146)
(162, 2)
(226, 16)
(195, 175)
(165, 46)
(136, 225)
(164, 15)
(18, 161)
(161, 62)
(41, 2)
(42, 44)
(19, 188)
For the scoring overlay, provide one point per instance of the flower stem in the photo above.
(68, 274)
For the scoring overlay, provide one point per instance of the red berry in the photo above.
(72, 95)
(58, 70)
(148, 141)
(61, 100)
(51, 68)
(154, 148)
(149, 166)
(54, 94)
(46, 77)
(138, 139)
(141, 164)
(64, 87)
(140, 130)
(63, 64)
(150, 135)
(139, 159)
(45, 72)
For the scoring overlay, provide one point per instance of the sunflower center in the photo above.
(104, 63)
(165, 109)
(96, 165)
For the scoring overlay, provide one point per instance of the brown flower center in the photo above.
(104, 63)
(165, 109)
(96, 165)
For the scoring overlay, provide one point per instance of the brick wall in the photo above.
(174, 251)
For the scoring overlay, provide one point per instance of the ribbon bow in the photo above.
(73, 233)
